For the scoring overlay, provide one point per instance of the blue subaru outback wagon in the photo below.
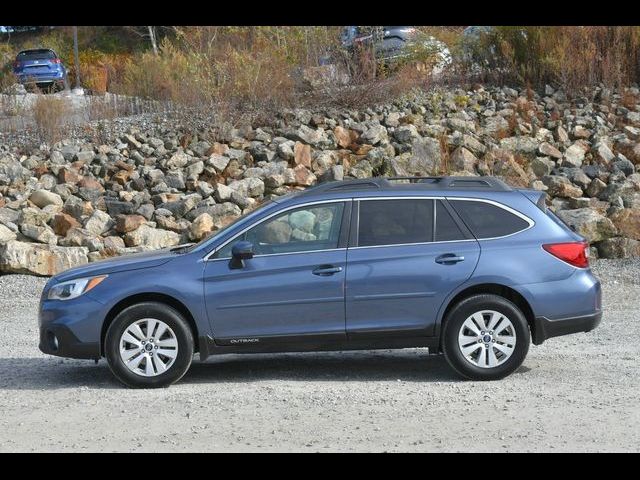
(466, 266)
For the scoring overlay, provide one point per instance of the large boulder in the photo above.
(128, 223)
(522, 145)
(39, 259)
(6, 234)
(62, 222)
(79, 237)
(151, 237)
(573, 156)
(627, 221)
(42, 198)
(178, 160)
(618, 247)
(99, 222)
(39, 233)
(406, 133)
(425, 159)
(201, 227)
(590, 224)
(559, 186)
(374, 135)
(463, 159)
(315, 137)
(548, 150)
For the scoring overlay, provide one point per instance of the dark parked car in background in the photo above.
(40, 67)
(393, 43)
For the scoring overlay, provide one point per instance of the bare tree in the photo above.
(152, 37)
(147, 31)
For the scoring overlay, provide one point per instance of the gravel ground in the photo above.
(574, 393)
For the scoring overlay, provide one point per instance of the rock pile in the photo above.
(79, 201)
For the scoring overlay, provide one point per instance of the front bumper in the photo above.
(60, 341)
(71, 328)
(546, 328)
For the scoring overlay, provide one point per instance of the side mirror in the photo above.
(240, 252)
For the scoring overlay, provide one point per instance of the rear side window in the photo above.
(486, 220)
(446, 228)
(393, 222)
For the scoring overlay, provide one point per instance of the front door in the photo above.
(293, 287)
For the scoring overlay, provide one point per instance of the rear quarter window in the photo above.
(486, 220)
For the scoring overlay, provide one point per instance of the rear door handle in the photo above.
(326, 270)
(449, 259)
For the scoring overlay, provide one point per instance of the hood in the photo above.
(118, 264)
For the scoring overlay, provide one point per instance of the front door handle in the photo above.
(326, 270)
(449, 259)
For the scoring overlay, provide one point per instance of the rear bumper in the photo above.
(42, 78)
(545, 328)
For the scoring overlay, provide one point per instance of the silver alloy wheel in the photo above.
(487, 339)
(148, 347)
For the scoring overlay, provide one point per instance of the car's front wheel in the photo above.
(149, 345)
(485, 337)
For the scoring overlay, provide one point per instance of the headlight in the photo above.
(74, 288)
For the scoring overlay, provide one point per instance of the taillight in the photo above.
(574, 253)
(56, 60)
(17, 64)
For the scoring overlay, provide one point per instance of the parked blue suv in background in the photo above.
(466, 266)
(40, 67)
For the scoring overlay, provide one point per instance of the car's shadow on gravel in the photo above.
(414, 365)
(411, 365)
(50, 373)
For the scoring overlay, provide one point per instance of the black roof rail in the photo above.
(357, 184)
(458, 182)
(435, 182)
(413, 179)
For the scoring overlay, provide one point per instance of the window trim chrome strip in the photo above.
(356, 199)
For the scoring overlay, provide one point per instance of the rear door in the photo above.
(405, 256)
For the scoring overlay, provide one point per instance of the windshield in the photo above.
(219, 233)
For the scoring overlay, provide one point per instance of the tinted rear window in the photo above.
(36, 55)
(446, 228)
(393, 222)
(486, 220)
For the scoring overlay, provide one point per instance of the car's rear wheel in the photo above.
(485, 337)
(149, 345)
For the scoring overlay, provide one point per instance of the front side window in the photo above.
(314, 227)
(393, 222)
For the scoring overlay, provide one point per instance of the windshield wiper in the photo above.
(184, 248)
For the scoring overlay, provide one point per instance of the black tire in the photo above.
(453, 323)
(161, 312)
